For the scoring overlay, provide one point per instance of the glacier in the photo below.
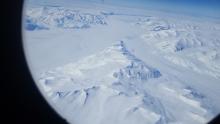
(121, 65)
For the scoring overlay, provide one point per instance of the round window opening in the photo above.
(125, 61)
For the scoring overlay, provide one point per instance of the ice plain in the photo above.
(120, 65)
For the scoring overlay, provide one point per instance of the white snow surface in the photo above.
(118, 65)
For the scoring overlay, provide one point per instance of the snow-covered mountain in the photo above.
(114, 86)
(58, 17)
(115, 65)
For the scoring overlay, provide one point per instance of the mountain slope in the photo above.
(123, 94)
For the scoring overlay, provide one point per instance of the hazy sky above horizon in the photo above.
(201, 7)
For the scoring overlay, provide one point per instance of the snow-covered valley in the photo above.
(118, 65)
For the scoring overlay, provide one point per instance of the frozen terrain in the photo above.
(118, 65)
